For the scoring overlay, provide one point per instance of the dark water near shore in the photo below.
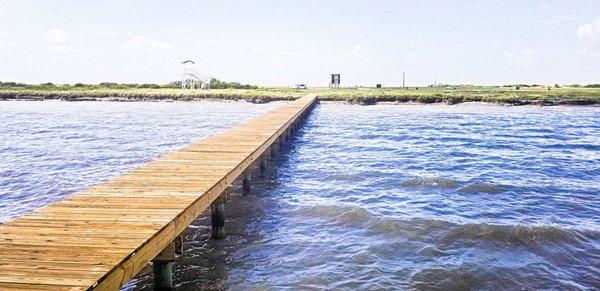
(366, 197)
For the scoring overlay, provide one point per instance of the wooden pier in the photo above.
(103, 236)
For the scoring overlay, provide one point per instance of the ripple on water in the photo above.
(482, 187)
(343, 177)
(438, 182)
(377, 197)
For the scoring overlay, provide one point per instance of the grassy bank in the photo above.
(146, 94)
(452, 95)
(447, 94)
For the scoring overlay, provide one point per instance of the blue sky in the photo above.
(280, 43)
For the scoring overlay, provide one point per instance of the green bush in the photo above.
(150, 86)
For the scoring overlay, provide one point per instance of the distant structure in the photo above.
(190, 78)
(403, 84)
(335, 81)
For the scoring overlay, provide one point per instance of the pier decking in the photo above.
(101, 237)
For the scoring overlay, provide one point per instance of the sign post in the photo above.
(335, 81)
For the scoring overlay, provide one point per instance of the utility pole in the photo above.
(403, 84)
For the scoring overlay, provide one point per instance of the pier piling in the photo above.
(163, 275)
(246, 184)
(162, 265)
(262, 167)
(217, 216)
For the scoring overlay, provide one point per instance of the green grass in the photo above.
(71, 93)
(452, 94)
(447, 94)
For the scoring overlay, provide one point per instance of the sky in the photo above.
(282, 43)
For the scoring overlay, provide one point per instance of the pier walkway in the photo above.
(101, 237)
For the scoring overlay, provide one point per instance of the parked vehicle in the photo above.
(301, 86)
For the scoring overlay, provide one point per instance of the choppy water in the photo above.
(52, 149)
(366, 197)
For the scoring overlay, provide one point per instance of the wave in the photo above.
(439, 278)
(511, 235)
(480, 187)
(446, 183)
(432, 252)
(440, 231)
(437, 182)
(358, 217)
(343, 177)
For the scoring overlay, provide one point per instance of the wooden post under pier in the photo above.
(247, 184)
(217, 216)
(162, 265)
(262, 167)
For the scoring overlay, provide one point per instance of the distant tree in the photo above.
(80, 85)
(12, 84)
(592, 86)
(108, 84)
(174, 84)
(217, 84)
(151, 86)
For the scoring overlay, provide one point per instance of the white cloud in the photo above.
(591, 30)
(6, 33)
(140, 43)
(353, 54)
(56, 36)
(521, 60)
(6, 44)
(291, 54)
(279, 56)
(589, 54)
(558, 19)
(266, 56)
(64, 49)
(59, 41)
(415, 58)
(6, 38)
(258, 51)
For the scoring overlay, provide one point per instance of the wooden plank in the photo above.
(101, 237)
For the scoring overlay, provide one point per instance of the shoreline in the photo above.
(359, 96)
(70, 97)
(267, 99)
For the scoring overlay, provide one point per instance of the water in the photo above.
(49, 150)
(365, 197)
